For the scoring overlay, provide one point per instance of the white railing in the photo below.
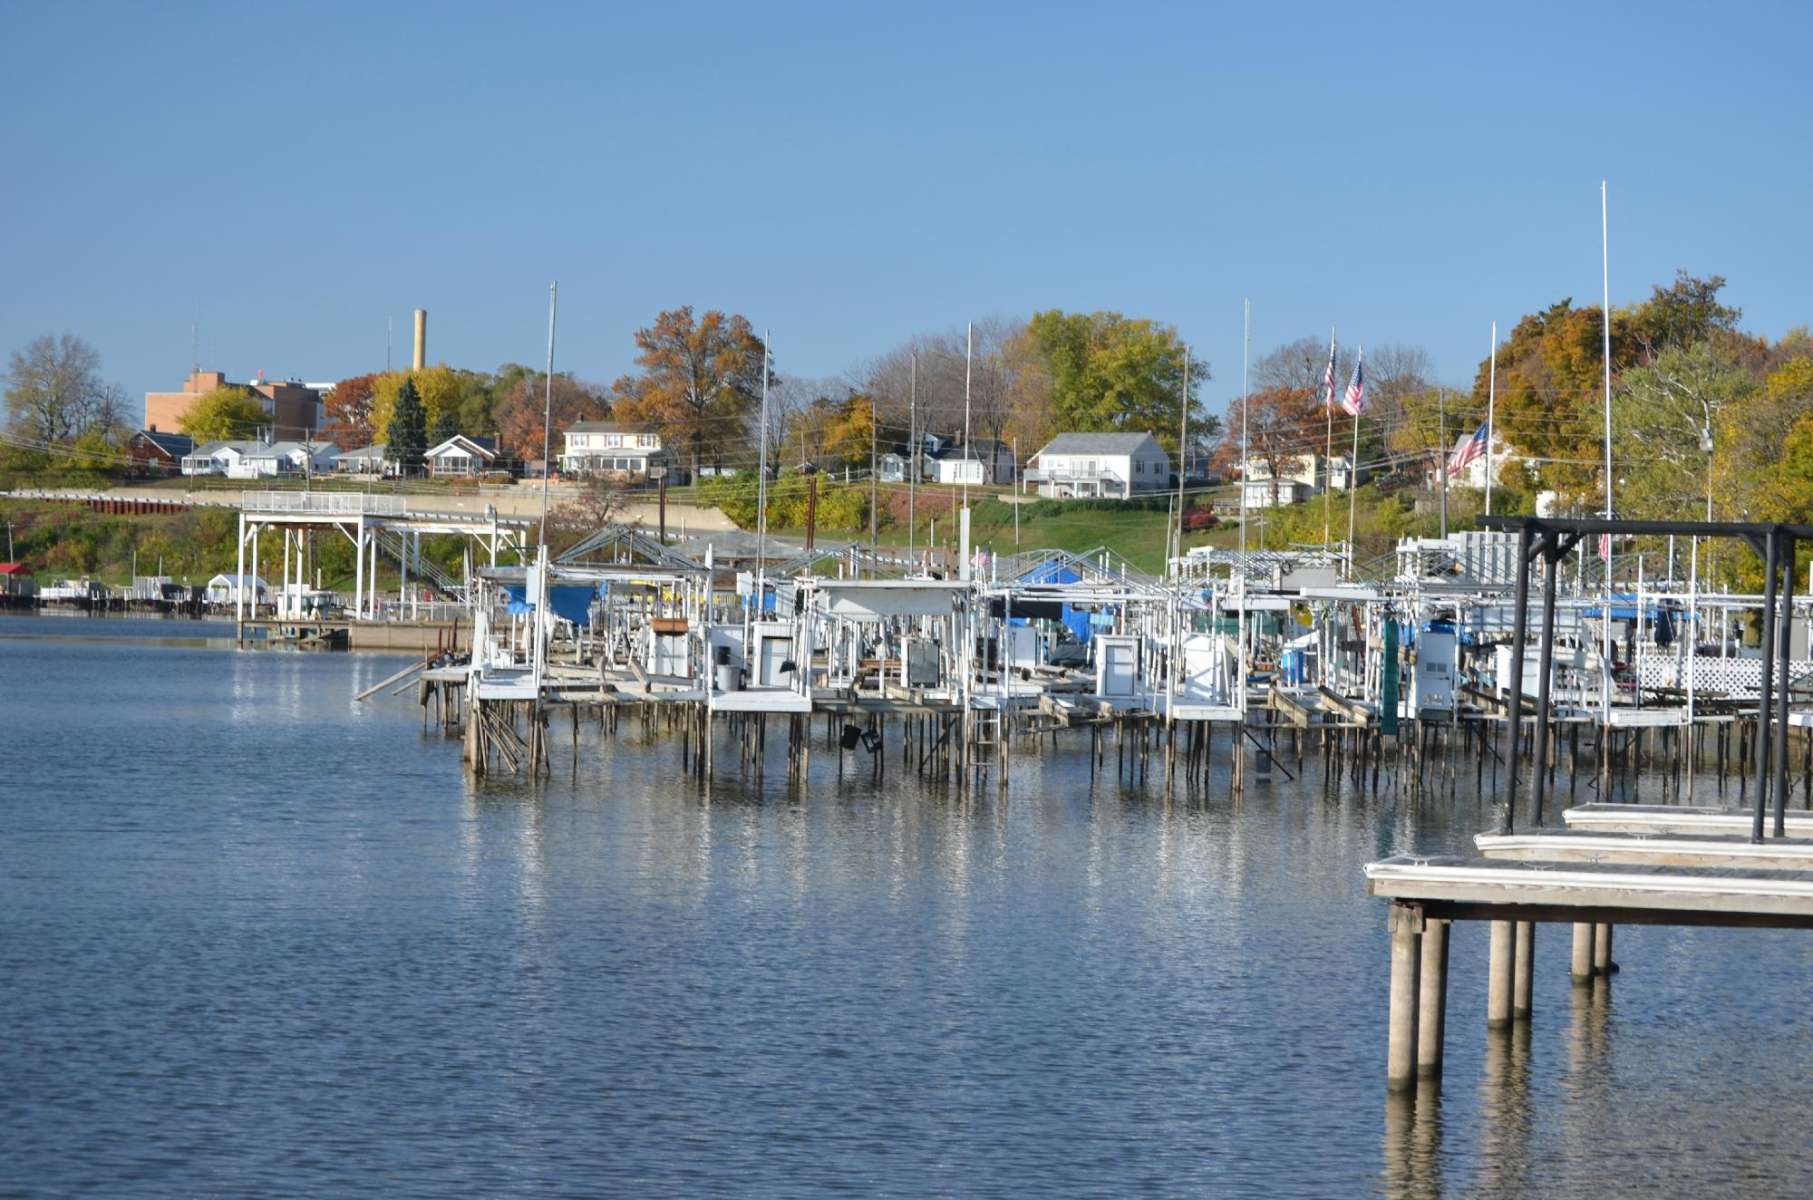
(328, 503)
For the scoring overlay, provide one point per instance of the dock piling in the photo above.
(1406, 924)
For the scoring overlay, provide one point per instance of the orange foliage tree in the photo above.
(701, 381)
(519, 414)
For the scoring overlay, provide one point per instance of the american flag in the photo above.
(1355, 401)
(1466, 450)
(1328, 376)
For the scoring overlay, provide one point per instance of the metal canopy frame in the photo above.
(1551, 539)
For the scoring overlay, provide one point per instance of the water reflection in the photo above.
(329, 961)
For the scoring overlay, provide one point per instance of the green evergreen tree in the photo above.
(408, 433)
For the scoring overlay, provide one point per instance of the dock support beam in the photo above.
(1524, 972)
(1602, 950)
(1432, 1005)
(1406, 925)
(1500, 968)
(1581, 967)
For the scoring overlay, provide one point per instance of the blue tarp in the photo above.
(570, 602)
(1075, 620)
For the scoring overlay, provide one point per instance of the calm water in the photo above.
(257, 939)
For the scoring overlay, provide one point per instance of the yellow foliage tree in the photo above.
(224, 414)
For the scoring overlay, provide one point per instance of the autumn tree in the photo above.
(445, 425)
(348, 416)
(1551, 373)
(1111, 373)
(225, 414)
(520, 412)
(440, 388)
(1281, 425)
(1666, 416)
(407, 434)
(700, 383)
(55, 393)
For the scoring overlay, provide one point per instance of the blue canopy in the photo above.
(570, 602)
(1076, 621)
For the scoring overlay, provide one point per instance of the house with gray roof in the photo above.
(1100, 466)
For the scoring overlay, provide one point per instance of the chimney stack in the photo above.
(421, 338)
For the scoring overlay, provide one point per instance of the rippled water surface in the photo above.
(258, 939)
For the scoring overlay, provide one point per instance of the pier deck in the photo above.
(1674, 819)
(1695, 850)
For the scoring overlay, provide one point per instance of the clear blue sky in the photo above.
(848, 175)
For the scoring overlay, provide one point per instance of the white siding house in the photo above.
(369, 461)
(606, 448)
(984, 461)
(261, 460)
(1111, 466)
(460, 455)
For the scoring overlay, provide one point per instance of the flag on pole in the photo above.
(1328, 376)
(1466, 450)
(1355, 401)
(1605, 546)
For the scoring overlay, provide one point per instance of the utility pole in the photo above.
(1441, 444)
(662, 502)
(811, 509)
(1020, 479)
(912, 445)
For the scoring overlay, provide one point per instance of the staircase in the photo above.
(442, 584)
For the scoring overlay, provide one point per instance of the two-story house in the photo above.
(1108, 466)
(607, 448)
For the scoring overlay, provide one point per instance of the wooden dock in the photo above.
(1613, 865)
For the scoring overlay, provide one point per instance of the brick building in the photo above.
(293, 409)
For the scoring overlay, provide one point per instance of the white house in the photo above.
(985, 460)
(1261, 492)
(894, 466)
(461, 455)
(260, 460)
(369, 461)
(1109, 466)
(1302, 476)
(606, 448)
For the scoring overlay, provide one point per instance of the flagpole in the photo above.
(1183, 442)
(1353, 477)
(1491, 407)
(1246, 396)
(1328, 448)
(1353, 464)
(1605, 610)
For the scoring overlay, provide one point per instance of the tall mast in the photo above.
(1246, 397)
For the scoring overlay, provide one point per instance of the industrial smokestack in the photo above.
(421, 338)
